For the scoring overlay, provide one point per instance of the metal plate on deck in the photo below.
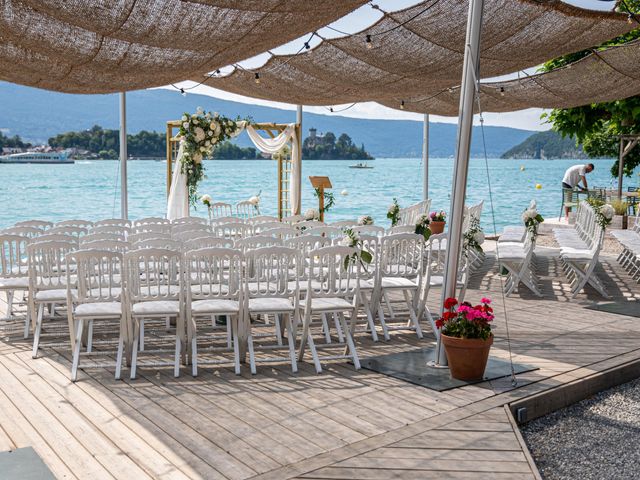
(412, 367)
(630, 309)
(23, 464)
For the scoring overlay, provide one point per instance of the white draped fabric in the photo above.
(178, 203)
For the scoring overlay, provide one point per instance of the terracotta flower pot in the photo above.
(436, 227)
(467, 357)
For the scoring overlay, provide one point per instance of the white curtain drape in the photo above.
(178, 203)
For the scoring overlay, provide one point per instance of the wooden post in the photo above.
(320, 183)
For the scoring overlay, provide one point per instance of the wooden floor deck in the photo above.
(340, 424)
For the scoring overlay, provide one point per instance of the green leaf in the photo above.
(366, 256)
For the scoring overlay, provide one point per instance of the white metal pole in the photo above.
(425, 157)
(298, 205)
(463, 145)
(124, 207)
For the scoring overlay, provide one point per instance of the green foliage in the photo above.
(619, 206)
(12, 142)
(596, 126)
(549, 144)
(229, 151)
(329, 199)
(328, 148)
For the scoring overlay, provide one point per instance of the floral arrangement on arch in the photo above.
(422, 226)
(440, 216)
(200, 132)
(604, 212)
(473, 238)
(532, 219)
(352, 239)
(465, 320)
(393, 213)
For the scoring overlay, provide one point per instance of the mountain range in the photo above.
(546, 145)
(36, 115)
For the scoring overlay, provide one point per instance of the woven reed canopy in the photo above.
(99, 46)
(602, 76)
(424, 55)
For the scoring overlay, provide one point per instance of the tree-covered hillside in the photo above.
(11, 142)
(549, 144)
(326, 147)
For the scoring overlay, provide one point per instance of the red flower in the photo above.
(450, 303)
(439, 323)
(446, 316)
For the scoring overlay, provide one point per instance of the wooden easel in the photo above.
(320, 183)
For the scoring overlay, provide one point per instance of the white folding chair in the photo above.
(190, 220)
(109, 245)
(120, 230)
(516, 258)
(207, 242)
(14, 272)
(221, 209)
(272, 288)
(369, 230)
(77, 232)
(261, 219)
(56, 237)
(258, 241)
(140, 237)
(261, 227)
(155, 292)
(98, 297)
(40, 224)
(293, 219)
(232, 230)
(401, 229)
(344, 224)
(307, 224)
(283, 232)
(97, 237)
(30, 232)
(190, 227)
(214, 288)
(325, 231)
(165, 243)
(331, 288)
(192, 234)
(152, 227)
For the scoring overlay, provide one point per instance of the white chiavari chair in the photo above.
(369, 230)
(77, 232)
(258, 241)
(14, 272)
(307, 224)
(221, 209)
(189, 227)
(283, 232)
(325, 231)
(112, 222)
(109, 245)
(113, 229)
(163, 243)
(56, 237)
(262, 219)
(139, 237)
(401, 229)
(207, 242)
(190, 220)
(30, 232)
(95, 237)
(261, 227)
(232, 230)
(293, 219)
(344, 224)
(224, 220)
(246, 209)
(150, 221)
(41, 224)
(76, 222)
(152, 227)
(192, 234)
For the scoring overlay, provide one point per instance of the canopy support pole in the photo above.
(297, 206)
(425, 157)
(461, 167)
(627, 142)
(124, 205)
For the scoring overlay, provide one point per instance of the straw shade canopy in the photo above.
(99, 46)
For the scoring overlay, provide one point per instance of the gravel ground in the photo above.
(594, 439)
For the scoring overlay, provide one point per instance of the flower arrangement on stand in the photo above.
(352, 239)
(255, 201)
(422, 226)
(466, 335)
(532, 219)
(200, 132)
(473, 238)
(604, 212)
(393, 213)
(365, 220)
(438, 219)
(207, 201)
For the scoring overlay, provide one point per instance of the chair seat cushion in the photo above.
(156, 307)
(270, 305)
(114, 292)
(398, 282)
(55, 295)
(215, 306)
(329, 304)
(576, 254)
(99, 309)
(14, 283)
(438, 281)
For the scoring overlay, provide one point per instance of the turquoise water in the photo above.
(88, 188)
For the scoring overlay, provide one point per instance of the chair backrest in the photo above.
(152, 227)
(151, 221)
(30, 232)
(232, 230)
(293, 219)
(344, 223)
(402, 229)
(153, 274)
(213, 273)
(261, 227)
(98, 273)
(70, 230)
(117, 222)
(333, 272)
(327, 231)
(57, 237)
(189, 227)
(410, 214)
(401, 255)
(116, 229)
(207, 242)
(158, 243)
(77, 222)
(47, 265)
(13, 256)
(306, 224)
(228, 219)
(41, 224)
(109, 245)
(370, 244)
(221, 209)
(369, 230)
(283, 232)
(190, 220)
(246, 209)
(261, 219)
(191, 234)
(138, 237)
(258, 241)
(307, 243)
(94, 237)
(273, 272)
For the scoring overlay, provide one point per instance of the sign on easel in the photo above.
(320, 183)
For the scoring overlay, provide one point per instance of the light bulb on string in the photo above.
(368, 41)
(402, 105)
(307, 46)
(182, 92)
(629, 19)
(331, 109)
(257, 78)
(502, 91)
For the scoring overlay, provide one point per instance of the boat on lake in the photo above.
(37, 157)
(360, 165)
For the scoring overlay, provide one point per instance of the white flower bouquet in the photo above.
(393, 213)
(365, 220)
(422, 226)
(352, 239)
(532, 219)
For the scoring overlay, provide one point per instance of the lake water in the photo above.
(88, 189)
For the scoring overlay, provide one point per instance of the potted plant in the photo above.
(620, 220)
(465, 331)
(438, 219)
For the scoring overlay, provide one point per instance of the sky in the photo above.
(356, 21)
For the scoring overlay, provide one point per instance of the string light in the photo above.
(257, 78)
(368, 41)
(629, 18)
(331, 109)
(502, 91)
(182, 92)
(402, 105)
(306, 46)
(217, 71)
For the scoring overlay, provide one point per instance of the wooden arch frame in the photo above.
(284, 165)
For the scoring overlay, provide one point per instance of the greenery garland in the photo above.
(329, 200)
